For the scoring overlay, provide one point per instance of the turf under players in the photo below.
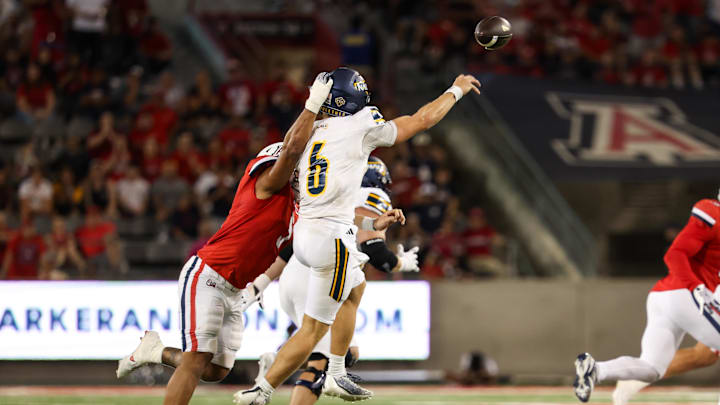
(329, 172)
(211, 284)
(680, 303)
(373, 201)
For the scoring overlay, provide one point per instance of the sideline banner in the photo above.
(58, 320)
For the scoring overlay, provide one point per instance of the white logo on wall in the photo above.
(630, 131)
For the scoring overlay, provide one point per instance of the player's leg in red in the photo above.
(186, 377)
(173, 357)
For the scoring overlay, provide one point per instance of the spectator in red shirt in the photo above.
(478, 240)
(238, 95)
(155, 120)
(151, 161)
(648, 72)
(100, 143)
(405, 185)
(233, 139)
(155, 48)
(708, 57)
(102, 249)
(64, 249)
(23, 255)
(189, 160)
(35, 98)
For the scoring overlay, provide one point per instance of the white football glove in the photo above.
(319, 92)
(250, 295)
(408, 260)
(706, 301)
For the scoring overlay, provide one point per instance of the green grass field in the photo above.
(408, 395)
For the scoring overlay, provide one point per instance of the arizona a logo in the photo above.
(630, 132)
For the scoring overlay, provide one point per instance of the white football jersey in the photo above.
(331, 169)
(374, 199)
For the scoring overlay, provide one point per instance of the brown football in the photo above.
(493, 32)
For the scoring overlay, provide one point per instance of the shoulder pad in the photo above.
(375, 200)
(372, 115)
(707, 211)
(256, 164)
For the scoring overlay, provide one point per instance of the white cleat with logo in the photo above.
(344, 388)
(149, 344)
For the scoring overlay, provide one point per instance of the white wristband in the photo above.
(312, 106)
(456, 91)
(368, 224)
(261, 282)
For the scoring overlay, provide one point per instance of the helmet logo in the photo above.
(360, 86)
(339, 101)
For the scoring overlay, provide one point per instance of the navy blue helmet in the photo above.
(348, 95)
(377, 175)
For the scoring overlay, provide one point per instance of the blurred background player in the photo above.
(373, 202)
(210, 284)
(344, 137)
(680, 303)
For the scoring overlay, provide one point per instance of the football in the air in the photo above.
(493, 32)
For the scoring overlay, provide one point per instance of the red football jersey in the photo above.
(694, 256)
(254, 231)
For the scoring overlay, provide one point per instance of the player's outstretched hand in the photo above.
(319, 92)
(408, 259)
(467, 83)
(390, 217)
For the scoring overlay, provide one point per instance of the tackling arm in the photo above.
(274, 179)
(431, 113)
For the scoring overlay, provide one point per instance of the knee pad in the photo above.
(316, 385)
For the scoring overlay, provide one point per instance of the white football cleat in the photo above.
(585, 376)
(266, 360)
(150, 343)
(253, 396)
(344, 388)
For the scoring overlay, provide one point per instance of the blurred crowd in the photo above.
(97, 134)
(662, 43)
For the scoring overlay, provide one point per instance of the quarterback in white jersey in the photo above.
(373, 201)
(329, 173)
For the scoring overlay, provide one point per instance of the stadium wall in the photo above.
(533, 329)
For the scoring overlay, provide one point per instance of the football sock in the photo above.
(624, 390)
(626, 368)
(336, 365)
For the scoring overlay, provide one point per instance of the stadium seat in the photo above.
(14, 131)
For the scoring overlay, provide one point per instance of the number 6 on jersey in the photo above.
(318, 168)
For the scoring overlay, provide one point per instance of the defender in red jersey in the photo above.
(680, 303)
(211, 284)
(693, 257)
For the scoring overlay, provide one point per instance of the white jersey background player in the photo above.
(329, 173)
(373, 200)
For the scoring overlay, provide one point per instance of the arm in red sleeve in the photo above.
(686, 245)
